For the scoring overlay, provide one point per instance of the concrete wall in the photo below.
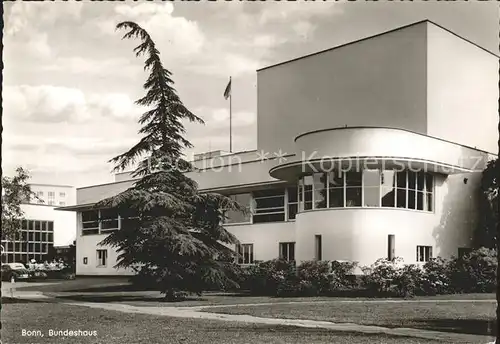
(375, 82)
(462, 91)
(265, 237)
(64, 222)
(86, 246)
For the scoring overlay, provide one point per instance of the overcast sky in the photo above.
(70, 81)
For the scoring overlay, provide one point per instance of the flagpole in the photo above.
(230, 118)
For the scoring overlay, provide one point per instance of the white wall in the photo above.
(86, 246)
(64, 222)
(374, 82)
(265, 237)
(462, 91)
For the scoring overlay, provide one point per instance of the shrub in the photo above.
(273, 277)
(407, 281)
(379, 278)
(436, 277)
(475, 272)
(314, 277)
(342, 276)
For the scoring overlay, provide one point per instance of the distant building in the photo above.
(43, 228)
(368, 150)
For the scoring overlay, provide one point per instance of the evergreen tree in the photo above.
(172, 232)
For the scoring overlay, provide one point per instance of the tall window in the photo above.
(371, 188)
(293, 202)
(287, 251)
(245, 254)
(318, 247)
(109, 219)
(336, 189)
(307, 192)
(51, 197)
(90, 222)
(102, 258)
(388, 188)
(320, 190)
(269, 206)
(424, 253)
(238, 216)
(353, 189)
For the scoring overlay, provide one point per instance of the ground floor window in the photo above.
(287, 251)
(102, 258)
(245, 254)
(424, 253)
(318, 248)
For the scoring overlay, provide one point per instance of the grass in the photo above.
(475, 318)
(117, 328)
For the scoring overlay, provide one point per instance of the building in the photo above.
(43, 227)
(368, 150)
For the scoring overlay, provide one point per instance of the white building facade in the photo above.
(43, 227)
(368, 150)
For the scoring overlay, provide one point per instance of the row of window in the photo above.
(100, 221)
(369, 188)
(51, 198)
(23, 257)
(37, 225)
(30, 236)
(27, 248)
(287, 252)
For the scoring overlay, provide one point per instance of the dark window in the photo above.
(245, 254)
(44, 236)
(44, 225)
(38, 225)
(287, 251)
(238, 216)
(353, 189)
(318, 247)
(51, 226)
(292, 202)
(102, 258)
(50, 237)
(31, 236)
(109, 219)
(336, 189)
(37, 236)
(424, 253)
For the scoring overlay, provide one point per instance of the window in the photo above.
(371, 188)
(336, 189)
(307, 193)
(269, 206)
(85, 260)
(245, 254)
(62, 203)
(237, 216)
(320, 190)
(102, 257)
(287, 251)
(90, 222)
(109, 219)
(51, 195)
(318, 248)
(293, 204)
(62, 194)
(51, 226)
(353, 189)
(388, 188)
(424, 253)
(44, 225)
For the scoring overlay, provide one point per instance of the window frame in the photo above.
(98, 258)
(424, 253)
(240, 254)
(285, 247)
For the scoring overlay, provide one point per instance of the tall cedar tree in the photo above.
(15, 191)
(170, 230)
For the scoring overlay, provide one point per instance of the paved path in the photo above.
(196, 312)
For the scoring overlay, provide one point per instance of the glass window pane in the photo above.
(50, 238)
(308, 187)
(429, 182)
(401, 179)
(38, 225)
(420, 181)
(353, 179)
(91, 215)
(37, 236)
(51, 226)
(401, 198)
(237, 216)
(261, 218)
(411, 199)
(388, 196)
(412, 179)
(353, 197)
(44, 236)
(371, 188)
(420, 200)
(292, 211)
(429, 201)
(320, 180)
(44, 225)
(31, 225)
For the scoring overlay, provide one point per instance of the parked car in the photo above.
(14, 272)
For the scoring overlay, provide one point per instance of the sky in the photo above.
(70, 81)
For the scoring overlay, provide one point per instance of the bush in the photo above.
(436, 277)
(314, 277)
(273, 277)
(379, 278)
(342, 277)
(475, 272)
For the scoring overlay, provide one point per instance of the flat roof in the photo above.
(376, 35)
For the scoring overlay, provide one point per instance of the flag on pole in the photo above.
(227, 92)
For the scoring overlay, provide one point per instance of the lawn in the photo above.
(117, 328)
(460, 317)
